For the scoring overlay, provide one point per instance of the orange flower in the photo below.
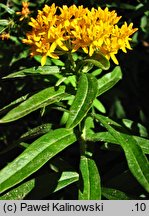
(74, 28)
(25, 11)
(5, 36)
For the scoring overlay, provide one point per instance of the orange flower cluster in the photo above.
(5, 36)
(25, 11)
(72, 28)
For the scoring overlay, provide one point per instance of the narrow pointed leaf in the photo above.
(8, 9)
(136, 159)
(109, 80)
(41, 70)
(38, 100)
(90, 188)
(19, 100)
(107, 137)
(86, 93)
(4, 22)
(99, 61)
(35, 156)
(66, 179)
(113, 194)
(99, 106)
(32, 133)
(61, 180)
(19, 192)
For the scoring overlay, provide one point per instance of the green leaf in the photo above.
(144, 23)
(136, 127)
(99, 106)
(23, 98)
(86, 93)
(58, 62)
(20, 192)
(32, 133)
(4, 22)
(35, 156)
(54, 182)
(41, 70)
(89, 188)
(41, 99)
(41, 129)
(97, 72)
(107, 137)
(113, 194)
(137, 161)
(67, 178)
(99, 60)
(10, 11)
(88, 126)
(109, 80)
(43, 189)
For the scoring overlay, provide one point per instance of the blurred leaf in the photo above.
(89, 187)
(2, 28)
(137, 161)
(144, 23)
(58, 62)
(86, 93)
(136, 127)
(41, 99)
(35, 156)
(109, 80)
(4, 22)
(41, 70)
(39, 57)
(118, 107)
(113, 194)
(10, 11)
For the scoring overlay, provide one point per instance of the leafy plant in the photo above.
(71, 128)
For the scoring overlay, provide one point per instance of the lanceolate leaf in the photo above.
(19, 100)
(20, 192)
(38, 100)
(99, 106)
(66, 179)
(107, 137)
(86, 93)
(109, 80)
(41, 70)
(137, 161)
(35, 156)
(32, 133)
(89, 182)
(113, 194)
(98, 60)
(54, 182)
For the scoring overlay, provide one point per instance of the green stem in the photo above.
(71, 60)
